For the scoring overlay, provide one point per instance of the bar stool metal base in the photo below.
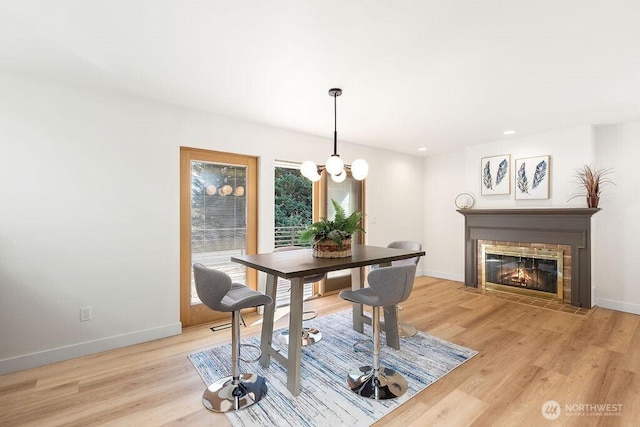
(309, 336)
(406, 330)
(388, 384)
(225, 396)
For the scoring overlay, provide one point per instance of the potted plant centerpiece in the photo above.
(591, 180)
(332, 238)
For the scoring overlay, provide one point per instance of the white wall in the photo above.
(568, 149)
(395, 203)
(617, 225)
(445, 178)
(89, 211)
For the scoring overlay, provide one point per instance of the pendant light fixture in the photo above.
(335, 165)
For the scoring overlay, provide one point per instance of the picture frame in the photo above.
(532, 177)
(495, 175)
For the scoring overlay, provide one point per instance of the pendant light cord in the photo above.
(335, 124)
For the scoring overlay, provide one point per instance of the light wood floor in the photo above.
(528, 355)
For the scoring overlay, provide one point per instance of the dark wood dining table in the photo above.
(294, 266)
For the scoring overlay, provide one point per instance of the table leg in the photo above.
(267, 321)
(357, 282)
(391, 326)
(295, 334)
(391, 322)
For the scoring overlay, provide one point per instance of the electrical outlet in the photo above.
(85, 314)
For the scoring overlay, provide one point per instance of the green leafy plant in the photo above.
(340, 228)
(591, 180)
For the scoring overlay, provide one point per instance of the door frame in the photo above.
(197, 314)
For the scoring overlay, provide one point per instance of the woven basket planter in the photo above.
(330, 249)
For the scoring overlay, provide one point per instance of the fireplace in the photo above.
(565, 229)
(522, 270)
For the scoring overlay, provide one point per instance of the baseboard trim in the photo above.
(618, 305)
(444, 275)
(59, 354)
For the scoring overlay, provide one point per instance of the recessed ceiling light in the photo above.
(422, 149)
(509, 132)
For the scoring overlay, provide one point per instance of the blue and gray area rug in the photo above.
(325, 399)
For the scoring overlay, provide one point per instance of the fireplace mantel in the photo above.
(562, 226)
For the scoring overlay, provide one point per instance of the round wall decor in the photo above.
(464, 201)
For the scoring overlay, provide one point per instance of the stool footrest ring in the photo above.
(251, 360)
(360, 343)
(313, 314)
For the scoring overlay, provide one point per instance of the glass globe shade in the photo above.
(334, 165)
(308, 169)
(212, 190)
(315, 176)
(359, 169)
(339, 177)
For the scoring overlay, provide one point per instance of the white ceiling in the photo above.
(439, 74)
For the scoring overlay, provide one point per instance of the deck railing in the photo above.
(289, 236)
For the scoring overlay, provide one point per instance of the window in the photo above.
(293, 204)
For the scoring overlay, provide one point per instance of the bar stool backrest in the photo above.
(392, 284)
(212, 285)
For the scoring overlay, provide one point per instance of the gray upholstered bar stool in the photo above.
(216, 291)
(309, 335)
(387, 286)
(406, 330)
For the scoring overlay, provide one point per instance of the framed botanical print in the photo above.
(495, 175)
(532, 178)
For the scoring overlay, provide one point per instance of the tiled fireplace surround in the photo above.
(565, 229)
